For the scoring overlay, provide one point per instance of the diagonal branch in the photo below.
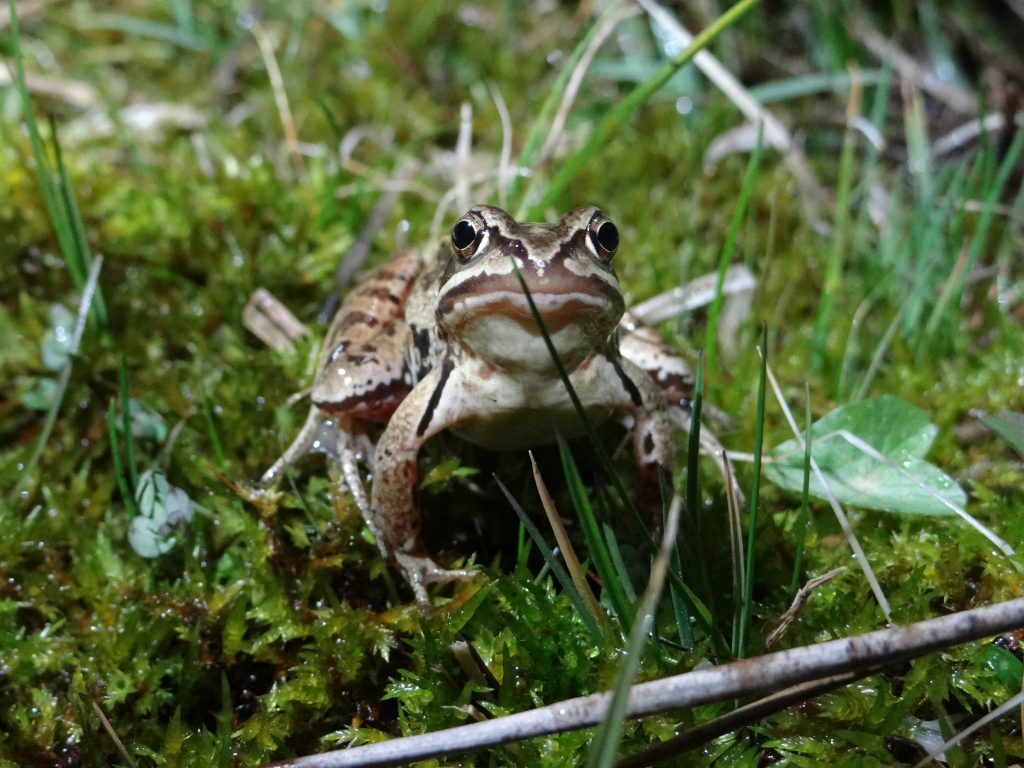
(772, 672)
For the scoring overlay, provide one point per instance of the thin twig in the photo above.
(738, 718)
(870, 450)
(771, 672)
(799, 600)
(910, 69)
(776, 135)
(112, 734)
(972, 129)
(74, 92)
(995, 714)
(284, 110)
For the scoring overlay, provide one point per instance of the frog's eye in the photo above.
(604, 236)
(466, 238)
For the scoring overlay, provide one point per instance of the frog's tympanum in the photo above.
(453, 344)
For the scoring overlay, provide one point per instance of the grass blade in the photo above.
(595, 542)
(745, 605)
(620, 565)
(126, 426)
(63, 379)
(805, 509)
(595, 441)
(738, 215)
(633, 100)
(547, 110)
(609, 733)
(60, 202)
(572, 562)
(211, 430)
(577, 600)
(74, 215)
(840, 237)
(954, 286)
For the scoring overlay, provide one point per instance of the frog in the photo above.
(451, 342)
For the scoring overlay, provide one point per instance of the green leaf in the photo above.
(1009, 426)
(1006, 667)
(162, 506)
(892, 427)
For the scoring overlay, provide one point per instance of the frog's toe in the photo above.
(420, 570)
(440, 575)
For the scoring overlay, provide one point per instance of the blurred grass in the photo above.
(270, 631)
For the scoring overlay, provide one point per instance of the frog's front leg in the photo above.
(624, 386)
(645, 348)
(437, 402)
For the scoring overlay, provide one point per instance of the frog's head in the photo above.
(567, 269)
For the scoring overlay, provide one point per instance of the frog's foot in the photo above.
(306, 441)
(420, 570)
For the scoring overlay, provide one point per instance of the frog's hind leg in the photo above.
(346, 449)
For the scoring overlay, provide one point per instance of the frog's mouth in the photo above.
(498, 324)
(586, 300)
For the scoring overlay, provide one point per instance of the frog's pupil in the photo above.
(608, 237)
(463, 235)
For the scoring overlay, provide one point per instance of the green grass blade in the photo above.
(809, 85)
(680, 606)
(595, 441)
(154, 30)
(127, 492)
(546, 113)
(595, 542)
(954, 286)
(746, 603)
(919, 154)
(620, 565)
(74, 215)
(837, 253)
(45, 171)
(126, 426)
(800, 530)
(63, 379)
(604, 751)
(695, 550)
(633, 100)
(863, 231)
(211, 430)
(922, 255)
(544, 548)
(725, 258)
